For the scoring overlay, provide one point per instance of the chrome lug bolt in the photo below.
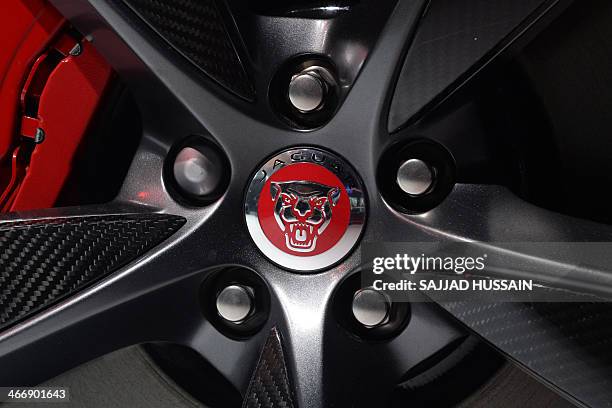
(198, 171)
(415, 177)
(371, 307)
(235, 303)
(309, 88)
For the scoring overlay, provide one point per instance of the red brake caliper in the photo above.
(51, 84)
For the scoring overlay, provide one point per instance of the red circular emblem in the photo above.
(303, 209)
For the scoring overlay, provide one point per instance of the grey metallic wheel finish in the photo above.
(131, 305)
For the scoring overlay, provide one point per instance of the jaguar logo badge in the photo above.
(305, 209)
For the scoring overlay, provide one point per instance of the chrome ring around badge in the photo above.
(305, 209)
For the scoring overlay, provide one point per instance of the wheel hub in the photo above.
(305, 209)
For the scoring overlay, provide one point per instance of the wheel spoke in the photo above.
(562, 344)
(367, 372)
(235, 359)
(496, 220)
(328, 365)
(154, 298)
(457, 39)
(49, 256)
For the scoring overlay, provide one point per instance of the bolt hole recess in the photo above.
(437, 158)
(398, 314)
(216, 282)
(215, 166)
(280, 102)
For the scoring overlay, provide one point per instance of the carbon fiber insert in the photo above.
(42, 261)
(270, 386)
(452, 36)
(568, 344)
(195, 29)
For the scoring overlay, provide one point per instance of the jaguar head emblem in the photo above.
(303, 210)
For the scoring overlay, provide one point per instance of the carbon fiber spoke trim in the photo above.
(453, 38)
(195, 29)
(270, 386)
(567, 344)
(44, 260)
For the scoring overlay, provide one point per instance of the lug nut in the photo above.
(415, 177)
(235, 303)
(309, 88)
(198, 172)
(371, 307)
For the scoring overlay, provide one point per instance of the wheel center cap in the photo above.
(305, 209)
